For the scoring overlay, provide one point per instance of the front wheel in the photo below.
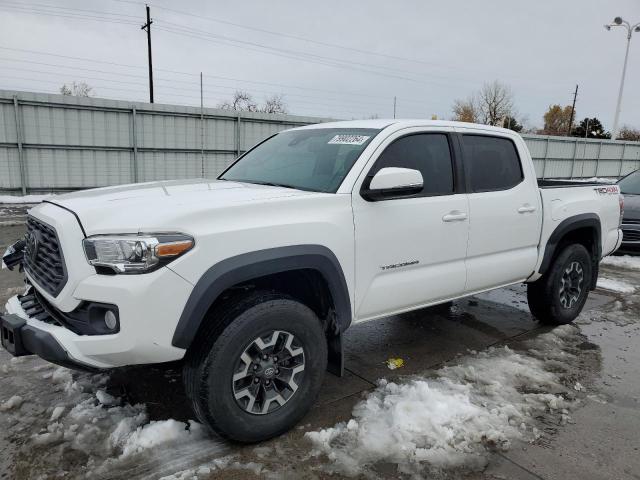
(258, 369)
(559, 296)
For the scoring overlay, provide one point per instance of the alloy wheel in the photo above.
(268, 372)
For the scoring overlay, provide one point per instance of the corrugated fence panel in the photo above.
(7, 123)
(219, 134)
(72, 143)
(160, 131)
(215, 163)
(53, 125)
(9, 168)
(168, 165)
(57, 168)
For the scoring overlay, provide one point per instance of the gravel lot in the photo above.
(485, 393)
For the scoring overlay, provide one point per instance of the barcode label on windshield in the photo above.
(348, 140)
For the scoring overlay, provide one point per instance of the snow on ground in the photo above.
(82, 419)
(24, 198)
(622, 261)
(205, 470)
(482, 403)
(615, 285)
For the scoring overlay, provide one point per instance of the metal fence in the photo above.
(56, 143)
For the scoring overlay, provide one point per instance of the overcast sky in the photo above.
(341, 59)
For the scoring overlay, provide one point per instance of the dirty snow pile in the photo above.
(97, 423)
(81, 417)
(615, 285)
(622, 261)
(455, 418)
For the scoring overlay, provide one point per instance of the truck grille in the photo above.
(631, 235)
(34, 306)
(43, 258)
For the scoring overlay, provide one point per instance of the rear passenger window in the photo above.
(429, 153)
(492, 163)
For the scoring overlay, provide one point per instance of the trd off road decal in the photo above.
(609, 190)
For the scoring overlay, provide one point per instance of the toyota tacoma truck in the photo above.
(251, 280)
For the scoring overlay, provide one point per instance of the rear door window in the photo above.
(491, 163)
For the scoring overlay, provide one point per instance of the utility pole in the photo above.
(394, 107)
(573, 111)
(147, 28)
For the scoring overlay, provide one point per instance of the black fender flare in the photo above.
(247, 266)
(584, 220)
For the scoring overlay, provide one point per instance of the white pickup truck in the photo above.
(251, 279)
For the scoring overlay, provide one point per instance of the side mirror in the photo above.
(393, 182)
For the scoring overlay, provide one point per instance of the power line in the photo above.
(287, 35)
(281, 85)
(49, 13)
(351, 108)
(296, 55)
(186, 82)
(57, 7)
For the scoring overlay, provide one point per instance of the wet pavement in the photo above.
(596, 439)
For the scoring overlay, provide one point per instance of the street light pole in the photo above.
(619, 22)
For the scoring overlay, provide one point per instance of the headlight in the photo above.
(135, 253)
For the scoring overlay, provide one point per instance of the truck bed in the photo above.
(562, 183)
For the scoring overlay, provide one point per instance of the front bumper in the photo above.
(20, 339)
(149, 307)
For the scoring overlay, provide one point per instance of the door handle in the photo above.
(526, 209)
(454, 216)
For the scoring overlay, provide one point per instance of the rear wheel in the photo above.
(257, 368)
(559, 296)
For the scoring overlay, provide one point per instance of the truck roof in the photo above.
(380, 123)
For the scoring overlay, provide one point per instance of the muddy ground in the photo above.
(66, 424)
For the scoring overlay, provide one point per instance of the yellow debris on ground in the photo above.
(394, 363)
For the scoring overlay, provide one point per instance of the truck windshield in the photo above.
(630, 185)
(307, 159)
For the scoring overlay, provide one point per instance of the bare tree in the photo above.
(466, 110)
(77, 89)
(241, 102)
(629, 133)
(274, 104)
(495, 103)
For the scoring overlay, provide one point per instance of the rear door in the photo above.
(410, 251)
(504, 210)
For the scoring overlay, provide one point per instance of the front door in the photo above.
(410, 251)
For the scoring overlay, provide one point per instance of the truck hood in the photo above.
(144, 206)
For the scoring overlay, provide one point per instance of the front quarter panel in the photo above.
(318, 219)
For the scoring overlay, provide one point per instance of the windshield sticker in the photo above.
(348, 140)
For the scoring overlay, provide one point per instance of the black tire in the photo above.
(213, 360)
(551, 302)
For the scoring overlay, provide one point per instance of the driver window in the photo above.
(427, 152)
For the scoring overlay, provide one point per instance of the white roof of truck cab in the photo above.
(380, 123)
